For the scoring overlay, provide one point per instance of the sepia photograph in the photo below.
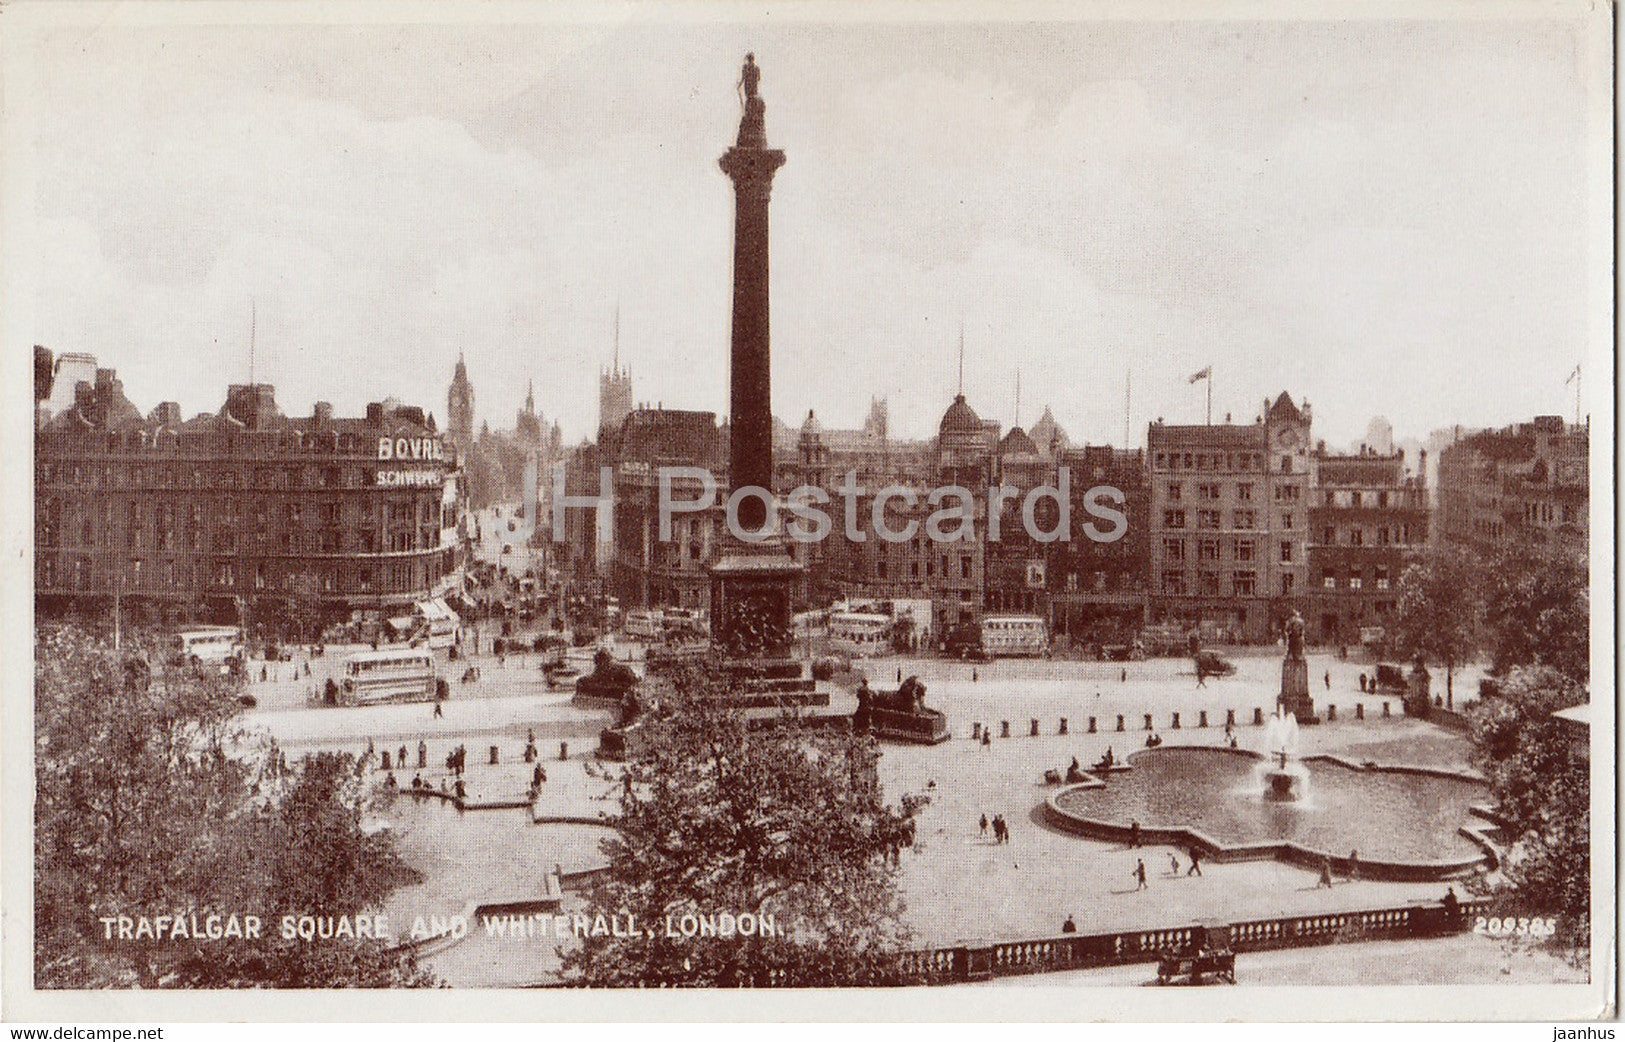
(1068, 511)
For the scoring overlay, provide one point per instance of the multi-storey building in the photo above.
(1523, 487)
(1097, 590)
(1368, 520)
(244, 513)
(1228, 521)
(646, 569)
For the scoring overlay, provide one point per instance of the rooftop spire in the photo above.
(961, 391)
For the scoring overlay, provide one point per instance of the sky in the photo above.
(1386, 218)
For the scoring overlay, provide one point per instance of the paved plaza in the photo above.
(958, 884)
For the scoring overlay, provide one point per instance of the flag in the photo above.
(1205, 374)
(1572, 376)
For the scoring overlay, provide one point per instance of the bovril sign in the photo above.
(410, 449)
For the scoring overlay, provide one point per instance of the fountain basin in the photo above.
(1407, 823)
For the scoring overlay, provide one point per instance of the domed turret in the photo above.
(961, 419)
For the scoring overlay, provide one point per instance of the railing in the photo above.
(978, 960)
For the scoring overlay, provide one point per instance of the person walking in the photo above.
(1325, 873)
(438, 712)
(1196, 862)
(1173, 864)
(1354, 865)
(1328, 680)
(984, 826)
(1134, 835)
(1139, 877)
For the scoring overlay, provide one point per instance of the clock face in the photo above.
(1289, 438)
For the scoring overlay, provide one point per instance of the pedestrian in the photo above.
(401, 757)
(1173, 864)
(1329, 680)
(423, 753)
(973, 675)
(1362, 683)
(1124, 678)
(1139, 876)
(984, 826)
(264, 674)
(1133, 835)
(1196, 863)
(1069, 926)
(1354, 865)
(899, 674)
(987, 737)
(1325, 873)
(438, 713)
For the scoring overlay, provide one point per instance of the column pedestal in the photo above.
(1295, 691)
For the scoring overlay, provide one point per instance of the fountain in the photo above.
(1283, 779)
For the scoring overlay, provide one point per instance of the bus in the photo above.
(215, 645)
(1009, 635)
(646, 625)
(864, 633)
(389, 675)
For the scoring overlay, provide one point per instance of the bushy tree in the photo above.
(149, 802)
(1538, 613)
(785, 821)
(1540, 774)
(1439, 612)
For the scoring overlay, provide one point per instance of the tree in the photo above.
(784, 822)
(149, 802)
(1540, 777)
(1439, 613)
(1538, 612)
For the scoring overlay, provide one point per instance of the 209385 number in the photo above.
(1508, 926)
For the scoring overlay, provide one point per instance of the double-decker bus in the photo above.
(389, 675)
(211, 645)
(646, 625)
(1008, 635)
(862, 633)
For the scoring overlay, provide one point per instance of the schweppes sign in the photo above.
(408, 449)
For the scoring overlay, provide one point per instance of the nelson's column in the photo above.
(752, 582)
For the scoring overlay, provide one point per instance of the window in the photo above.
(1286, 584)
(1287, 493)
(1354, 499)
(1246, 519)
(1244, 492)
(1173, 519)
(1245, 584)
(1208, 584)
(1174, 492)
(1286, 522)
(964, 567)
(1208, 550)
(1286, 464)
(1328, 579)
(1286, 553)
(1208, 519)
(1380, 574)
(1173, 549)
(1328, 535)
(1173, 583)
(1245, 549)
(1209, 493)
(1356, 536)
(1354, 581)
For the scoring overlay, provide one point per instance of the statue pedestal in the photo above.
(751, 625)
(1295, 691)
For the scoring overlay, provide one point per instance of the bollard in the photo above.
(1201, 718)
(564, 750)
(1359, 710)
(423, 755)
(1331, 713)
(1258, 717)
(493, 754)
(1229, 718)
(1385, 710)
(384, 764)
(1004, 729)
(1033, 732)
(976, 732)
(1063, 726)
(1176, 722)
(1119, 721)
(1148, 726)
(1091, 725)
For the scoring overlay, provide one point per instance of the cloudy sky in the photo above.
(1385, 217)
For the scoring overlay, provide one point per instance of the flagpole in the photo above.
(1210, 397)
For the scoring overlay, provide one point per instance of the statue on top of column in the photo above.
(1294, 636)
(749, 77)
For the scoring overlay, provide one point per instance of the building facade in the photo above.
(1368, 521)
(245, 514)
(1524, 487)
(1229, 522)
